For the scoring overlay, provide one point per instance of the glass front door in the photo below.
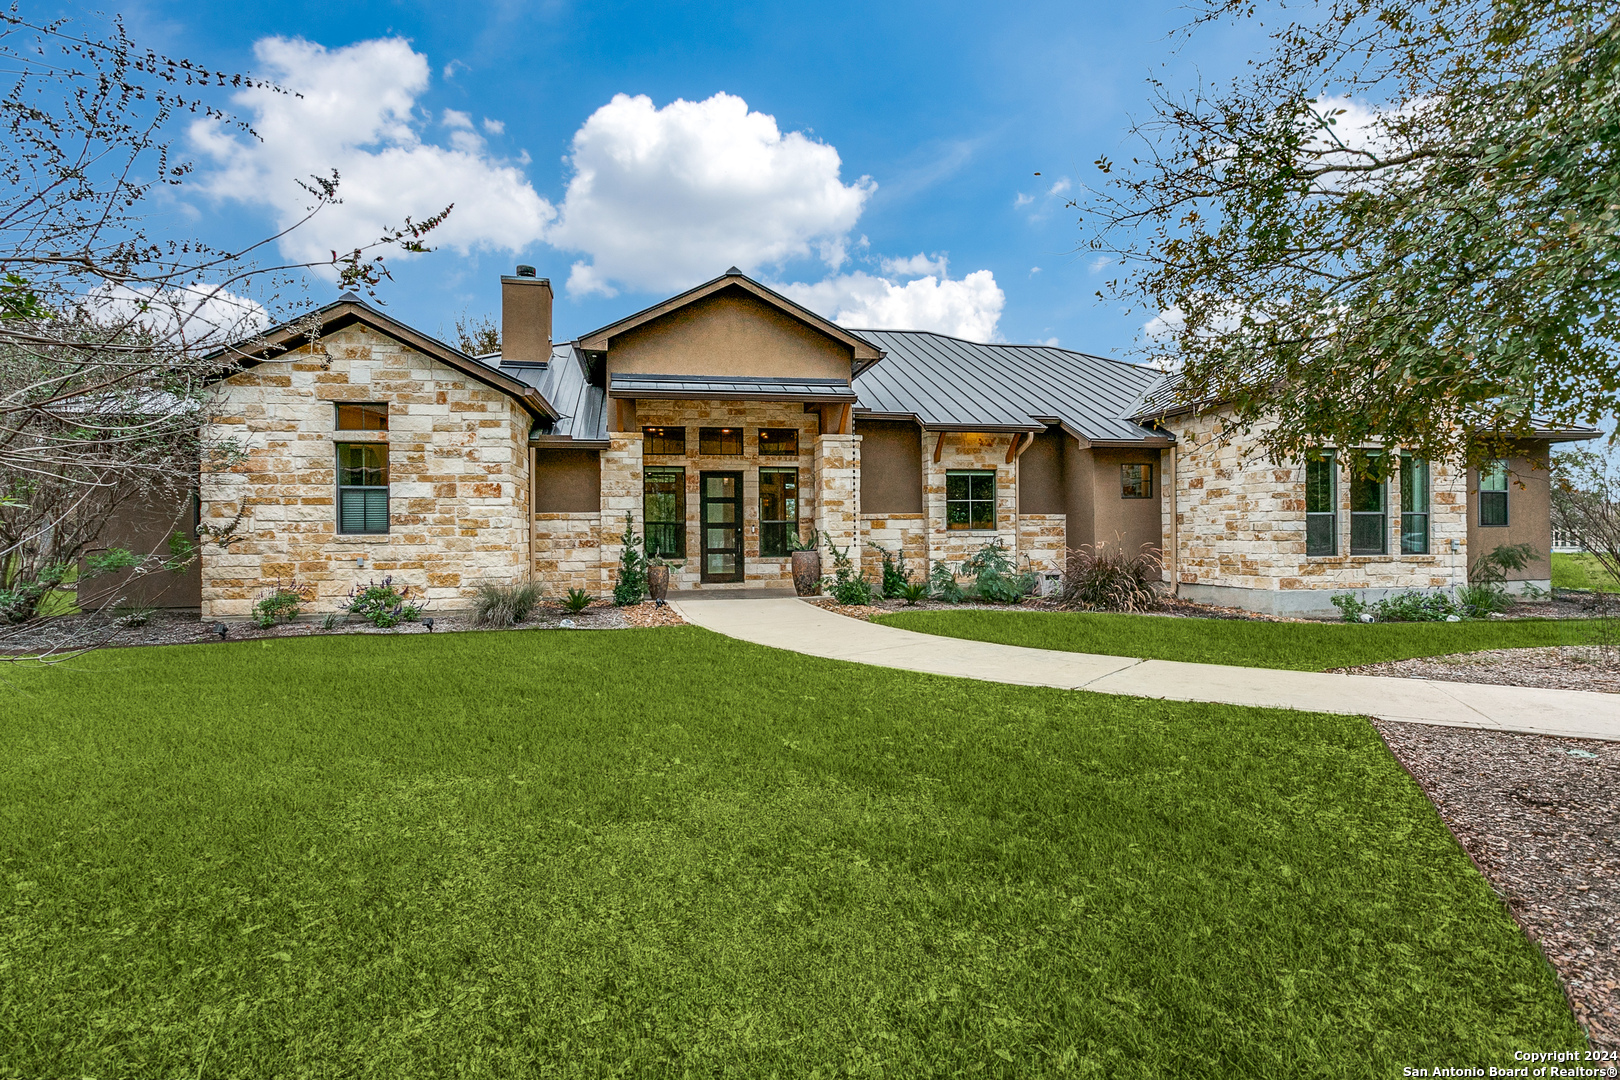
(722, 514)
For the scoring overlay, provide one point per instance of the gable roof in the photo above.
(866, 354)
(949, 384)
(349, 310)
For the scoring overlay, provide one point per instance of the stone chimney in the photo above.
(525, 318)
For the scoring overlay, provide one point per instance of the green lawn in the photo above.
(1298, 646)
(666, 853)
(1572, 570)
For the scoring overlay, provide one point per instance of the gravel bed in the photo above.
(72, 633)
(1538, 815)
(1554, 667)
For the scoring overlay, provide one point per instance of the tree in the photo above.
(1400, 225)
(477, 335)
(110, 336)
(1586, 505)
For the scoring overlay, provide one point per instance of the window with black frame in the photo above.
(362, 478)
(778, 510)
(1136, 481)
(664, 511)
(970, 501)
(720, 441)
(1369, 510)
(1493, 493)
(1322, 503)
(778, 442)
(1414, 505)
(668, 441)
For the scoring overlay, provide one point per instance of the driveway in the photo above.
(792, 624)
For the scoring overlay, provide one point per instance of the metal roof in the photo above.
(735, 387)
(565, 382)
(948, 383)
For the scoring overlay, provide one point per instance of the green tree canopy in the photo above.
(1399, 225)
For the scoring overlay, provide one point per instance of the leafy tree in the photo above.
(1400, 225)
(113, 338)
(477, 335)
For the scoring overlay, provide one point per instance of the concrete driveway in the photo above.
(785, 623)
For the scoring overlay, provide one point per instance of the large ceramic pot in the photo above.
(807, 572)
(658, 581)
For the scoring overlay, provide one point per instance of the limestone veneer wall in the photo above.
(968, 450)
(1240, 528)
(458, 478)
(905, 534)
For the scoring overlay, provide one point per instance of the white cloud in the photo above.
(967, 308)
(358, 114)
(1059, 188)
(1099, 262)
(1022, 200)
(494, 127)
(918, 265)
(184, 316)
(663, 198)
(1034, 270)
(1166, 324)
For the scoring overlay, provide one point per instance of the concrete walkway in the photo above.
(800, 627)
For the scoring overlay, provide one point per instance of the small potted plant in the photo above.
(657, 577)
(806, 554)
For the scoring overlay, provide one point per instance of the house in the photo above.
(728, 419)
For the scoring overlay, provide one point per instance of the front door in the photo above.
(722, 517)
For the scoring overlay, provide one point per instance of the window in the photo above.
(1493, 484)
(1322, 504)
(778, 509)
(663, 493)
(970, 501)
(1369, 514)
(778, 442)
(362, 416)
(1136, 481)
(720, 441)
(362, 487)
(663, 440)
(1414, 505)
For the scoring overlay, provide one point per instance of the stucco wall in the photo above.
(1529, 514)
(730, 332)
(458, 478)
(567, 481)
(1040, 474)
(1241, 525)
(891, 466)
(1128, 524)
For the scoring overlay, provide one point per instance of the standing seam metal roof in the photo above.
(946, 382)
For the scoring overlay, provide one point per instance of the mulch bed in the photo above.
(70, 633)
(1554, 667)
(1538, 815)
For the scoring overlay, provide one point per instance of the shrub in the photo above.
(578, 600)
(895, 575)
(847, 587)
(913, 592)
(942, 584)
(503, 605)
(1351, 608)
(281, 604)
(995, 577)
(1414, 606)
(383, 606)
(1479, 600)
(632, 583)
(1106, 579)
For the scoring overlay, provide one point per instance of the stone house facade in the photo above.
(726, 420)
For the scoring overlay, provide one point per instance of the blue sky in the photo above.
(876, 160)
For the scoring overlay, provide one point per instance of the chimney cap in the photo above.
(525, 271)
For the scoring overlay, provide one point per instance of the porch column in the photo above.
(837, 480)
(621, 493)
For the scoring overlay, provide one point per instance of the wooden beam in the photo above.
(1014, 451)
(939, 447)
(846, 415)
